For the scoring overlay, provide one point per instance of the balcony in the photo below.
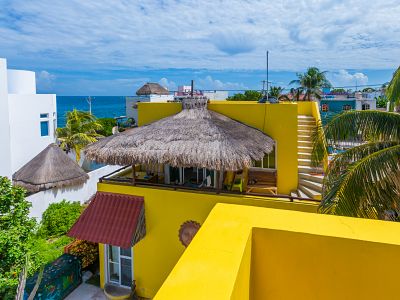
(252, 182)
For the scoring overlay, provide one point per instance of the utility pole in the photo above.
(89, 101)
(267, 76)
(192, 87)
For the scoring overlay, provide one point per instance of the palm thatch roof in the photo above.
(152, 89)
(50, 168)
(195, 137)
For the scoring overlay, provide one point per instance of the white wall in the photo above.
(26, 140)
(40, 201)
(5, 148)
(21, 82)
(371, 102)
(216, 95)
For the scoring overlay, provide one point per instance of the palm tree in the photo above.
(363, 181)
(80, 130)
(312, 82)
(393, 91)
(275, 92)
(295, 95)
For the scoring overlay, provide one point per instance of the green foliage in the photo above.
(247, 96)
(364, 180)
(80, 130)
(338, 91)
(107, 125)
(42, 251)
(368, 90)
(275, 92)
(15, 230)
(393, 90)
(58, 218)
(312, 82)
(381, 101)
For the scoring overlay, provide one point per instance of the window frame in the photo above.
(108, 262)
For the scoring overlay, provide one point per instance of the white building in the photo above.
(366, 101)
(149, 92)
(27, 120)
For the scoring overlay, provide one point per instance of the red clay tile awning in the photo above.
(113, 219)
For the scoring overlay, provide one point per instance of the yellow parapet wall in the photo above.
(279, 121)
(165, 211)
(247, 252)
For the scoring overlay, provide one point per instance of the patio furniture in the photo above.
(238, 182)
(262, 180)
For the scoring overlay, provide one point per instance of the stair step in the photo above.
(304, 162)
(293, 194)
(301, 194)
(304, 138)
(309, 169)
(315, 186)
(310, 177)
(306, 155)
(304, 144)
(305, 117)
(304, 149)
(306, 132)
(305, 126)
(309, 192)
(305, 122)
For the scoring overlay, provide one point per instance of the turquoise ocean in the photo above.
(102, 106)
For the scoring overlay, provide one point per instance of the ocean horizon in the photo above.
(102, 106)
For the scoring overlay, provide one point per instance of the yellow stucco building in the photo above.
(160, 219)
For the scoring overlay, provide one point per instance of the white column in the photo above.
(5, 139)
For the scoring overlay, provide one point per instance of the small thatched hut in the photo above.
(195, 137)
(50, 168)
(151, 88)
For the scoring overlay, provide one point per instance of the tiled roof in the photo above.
(113, 219)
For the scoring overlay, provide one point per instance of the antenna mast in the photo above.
(267, 77)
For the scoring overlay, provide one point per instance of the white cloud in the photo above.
(169, 84)
(45, 80)
(226, 34)
(208, 83)
(344, 78)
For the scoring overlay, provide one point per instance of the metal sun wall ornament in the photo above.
(187, 231)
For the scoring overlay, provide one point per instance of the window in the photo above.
(44, 128)
(365, 106)
(120, 265)
(268, 161)
(346, 107)
(44, 116)
(191, 176)
(325, 107)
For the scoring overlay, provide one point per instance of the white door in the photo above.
(120, 265)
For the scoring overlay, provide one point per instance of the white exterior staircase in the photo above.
(310, 178)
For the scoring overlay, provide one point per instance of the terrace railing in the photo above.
(114, 179)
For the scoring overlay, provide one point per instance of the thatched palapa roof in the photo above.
(152, 89)
(195, 137)
(50, 168)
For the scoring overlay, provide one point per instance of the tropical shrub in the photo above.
(107, 125)
(381, 101)
(15, 230)
(247, 96)
(88, 252)
(80, 130)
(58, 218)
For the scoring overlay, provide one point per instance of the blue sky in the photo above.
(112, 47)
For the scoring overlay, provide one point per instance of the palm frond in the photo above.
(367, 187)
(363, 126)
(393, 90)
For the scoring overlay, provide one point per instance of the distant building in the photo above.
(337, 102)
(27, 120)
(185, 90)
(149, 92)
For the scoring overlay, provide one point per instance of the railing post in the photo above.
(133, 174)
